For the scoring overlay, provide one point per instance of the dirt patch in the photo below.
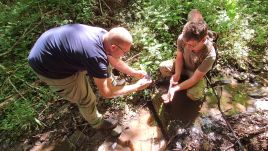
(71, 132)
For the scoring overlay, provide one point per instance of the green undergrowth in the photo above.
(156, 25)
(22, 96)
(240, 25)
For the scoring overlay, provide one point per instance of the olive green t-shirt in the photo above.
(202, 60)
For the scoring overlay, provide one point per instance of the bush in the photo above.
(22, 22)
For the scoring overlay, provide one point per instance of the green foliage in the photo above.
(241, 24)
(22, 22)
(18, 117)
(156, 31)
(257, 13)
(239, 94)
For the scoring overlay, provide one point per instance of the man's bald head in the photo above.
(119, 35)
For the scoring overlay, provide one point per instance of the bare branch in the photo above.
(16, 89)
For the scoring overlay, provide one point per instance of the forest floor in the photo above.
(244, 102)
(65, 129)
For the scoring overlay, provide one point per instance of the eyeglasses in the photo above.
(120, 48)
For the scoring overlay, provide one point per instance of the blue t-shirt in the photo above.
(62, 51)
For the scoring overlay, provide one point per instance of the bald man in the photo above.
(65, 57)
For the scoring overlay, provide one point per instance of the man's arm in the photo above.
(125, 68)
(108, 90)
(178, 66)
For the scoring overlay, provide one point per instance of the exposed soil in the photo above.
(66, 130)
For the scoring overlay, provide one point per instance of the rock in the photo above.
(256, 95)
(261, 105)
(240, 77)
(260, 93)
(251, 109)
(166, 68)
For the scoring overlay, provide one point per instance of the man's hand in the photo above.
(139, 74)
(171, 93)
(174, 79)
(168, 97)
(143, 83)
